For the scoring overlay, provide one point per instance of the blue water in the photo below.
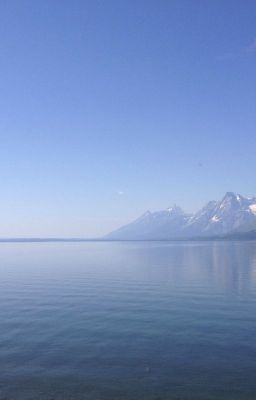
(128, 320)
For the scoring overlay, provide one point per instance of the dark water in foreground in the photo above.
(108, 321)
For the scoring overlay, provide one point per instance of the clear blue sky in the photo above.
(109, 108)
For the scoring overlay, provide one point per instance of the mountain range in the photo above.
(233, 215)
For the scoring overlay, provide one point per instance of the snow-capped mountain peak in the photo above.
(230, 213)
(175, 210)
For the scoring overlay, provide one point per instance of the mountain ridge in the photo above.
(233, 214)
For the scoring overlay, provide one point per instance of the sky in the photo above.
(111, 108)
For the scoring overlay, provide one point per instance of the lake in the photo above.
(128, 321)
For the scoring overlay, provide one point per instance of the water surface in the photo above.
(128, 320)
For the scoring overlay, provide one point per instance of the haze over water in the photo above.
(127, 320)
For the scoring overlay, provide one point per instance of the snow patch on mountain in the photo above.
(253, 208)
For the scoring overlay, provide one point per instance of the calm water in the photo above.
(151, 321)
